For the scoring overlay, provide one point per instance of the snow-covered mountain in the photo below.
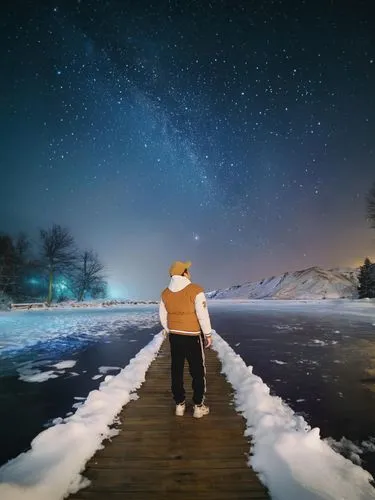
(311, 283)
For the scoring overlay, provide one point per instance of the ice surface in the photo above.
(69, 363)
(23, 329)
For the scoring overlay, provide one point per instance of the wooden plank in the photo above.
(170, 495)
(146, 463)
(157, 455)
(187, 480)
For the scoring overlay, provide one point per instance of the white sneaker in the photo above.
(180, 409)
(200, 411)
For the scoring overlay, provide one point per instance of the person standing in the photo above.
(184, 316)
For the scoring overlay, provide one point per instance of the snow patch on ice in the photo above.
(37, 375)
(351, 450)
(31, 370)
(278, 362)
(62, 365)
(288, 328)
(57, 421)
(320, 342)
(106, 369)
(51, 469)
(290, 457)
(308, 362)
(369, 445)
(347, 448)
(323, 343)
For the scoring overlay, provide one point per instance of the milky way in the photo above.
(238, 135)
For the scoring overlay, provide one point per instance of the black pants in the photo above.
(190, 348)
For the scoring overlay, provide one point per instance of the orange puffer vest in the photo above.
(180, 307)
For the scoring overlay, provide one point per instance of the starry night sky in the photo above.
(238, 135)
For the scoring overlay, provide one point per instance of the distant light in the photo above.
(61, 285)
(117, 291)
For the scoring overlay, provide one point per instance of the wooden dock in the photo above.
(160, 456)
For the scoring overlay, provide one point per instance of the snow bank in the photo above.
(52, 467)
(290, 457)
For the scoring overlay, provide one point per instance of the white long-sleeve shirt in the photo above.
(176, 284)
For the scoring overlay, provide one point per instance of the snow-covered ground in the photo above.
(291, 458)
(312, 283)
(24, 329)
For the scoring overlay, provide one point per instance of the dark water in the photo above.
(322, 365)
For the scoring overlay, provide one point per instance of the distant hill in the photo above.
(311, 283)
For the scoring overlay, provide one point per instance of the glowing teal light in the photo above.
(61, 285)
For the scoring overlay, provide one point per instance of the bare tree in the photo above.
(58, 253)
(88, 274)
(371, 206)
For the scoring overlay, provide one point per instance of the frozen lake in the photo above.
(322, 364)
(320, 361)
(51, 360)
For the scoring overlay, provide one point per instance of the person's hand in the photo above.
(207, 341)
